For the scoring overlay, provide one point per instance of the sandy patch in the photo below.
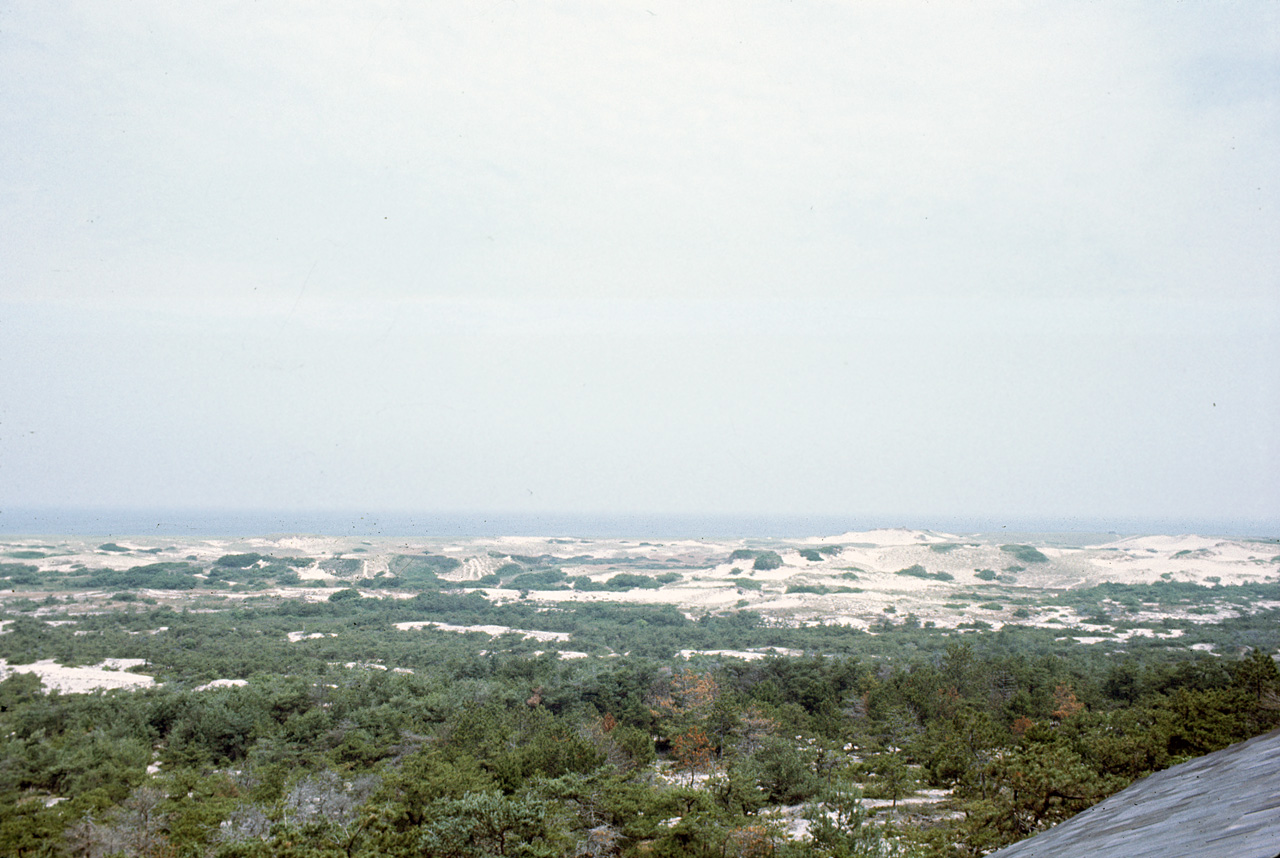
(294, 637)
(308, 545)
(491, 631)
(313, 573)
(121, 663)
(887, 536)
(688, 596)
(473, 569)
(745, 655)
(222, 683)
(1165, 544)
(82, 680)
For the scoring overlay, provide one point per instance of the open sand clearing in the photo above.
(491, 631)
(81, 680)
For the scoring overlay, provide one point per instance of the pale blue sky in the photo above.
(754, 257)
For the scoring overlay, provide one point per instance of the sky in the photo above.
(891, 260)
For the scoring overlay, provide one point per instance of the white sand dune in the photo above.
(745, 655)
(294, 637)
(81, 680)
(222, 683)
(888, 536)
(491, 631)
(1170, 544)
(860, 586)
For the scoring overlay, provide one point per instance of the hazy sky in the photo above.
(877, 259)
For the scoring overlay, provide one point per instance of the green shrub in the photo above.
(985, 574)
(623, 581)
(1025, 553)
(808, 588)
(780, 772)
(111, 546)
(238, 561)
(810, 554)
(918, 571)
(742, 554)
(767, 560)
(341, 565)
(154, 576)
(547, 579)
(22, 574)
(628, 581)
(416, 571)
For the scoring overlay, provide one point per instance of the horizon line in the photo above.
(250, 521)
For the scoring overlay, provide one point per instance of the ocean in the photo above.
(244, 523)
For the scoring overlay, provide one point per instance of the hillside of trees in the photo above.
(352, 737)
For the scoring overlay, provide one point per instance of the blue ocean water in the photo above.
(245, 523)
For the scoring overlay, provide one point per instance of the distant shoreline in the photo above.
(247, 523)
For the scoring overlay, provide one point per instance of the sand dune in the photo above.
(858, 579)
(81, 680)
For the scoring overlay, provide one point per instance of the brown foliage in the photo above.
(750, 841)
(692, 751)
(1065, 703)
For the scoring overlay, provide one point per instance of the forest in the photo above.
(366, 724)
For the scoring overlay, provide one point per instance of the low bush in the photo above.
(918, 571)
(767, 560)
(238, 561)
(1025, 553)
(817, 589)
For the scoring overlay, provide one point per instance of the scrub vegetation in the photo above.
(411, 714)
